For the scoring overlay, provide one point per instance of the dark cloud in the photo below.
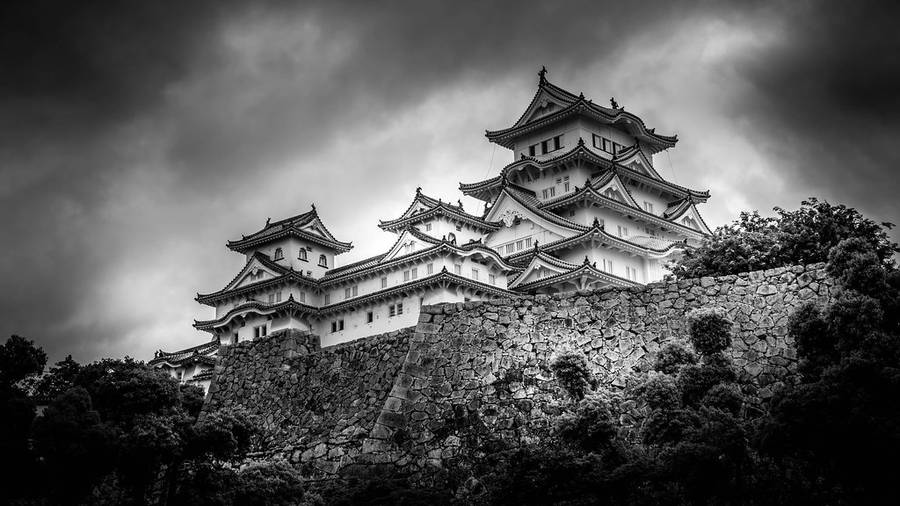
(136, 137)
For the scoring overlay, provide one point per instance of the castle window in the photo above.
(428, 227)
(302, 296)
(327, 299)
(260, 331)
(430, 268)
(395, 309)
(631, 273)
(475, 274)
(509, 248)
(370, 317)
(383, 282)
(623, 231)
(337, 325)
(405, 275)
(607, 265)
(457, 268)
(532, 150)
(301, 255)
(492, 278)
(549, 192)
(347, 293)
(271, 298)
(279, 255)
(459, 228)
(519, 245)
(323, 262)
(415, 273)
(399, 308)
(528, 242)
(451, 237)
(648, 206)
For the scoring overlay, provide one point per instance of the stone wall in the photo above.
(475, 376)
(315, 404)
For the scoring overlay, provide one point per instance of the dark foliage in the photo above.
(672, 357)
(572, 373)
(19, 358)
(709, 330)
(590, 427)
(792, 237)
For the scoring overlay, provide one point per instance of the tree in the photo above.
(572, 373)
(803, 236)
(19, 358)
(60, 378)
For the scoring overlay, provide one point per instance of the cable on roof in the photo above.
(671, 167)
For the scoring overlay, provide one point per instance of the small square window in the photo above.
(430, 268)
(428, 227)
(370, 317)
(383, 282)
(399, 308)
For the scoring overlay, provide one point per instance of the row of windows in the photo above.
(517, 245)
(604, 144)
(547, 146)
(458, 229)
(301, 255)
(393, 310)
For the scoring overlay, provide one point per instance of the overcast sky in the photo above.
(136, 139)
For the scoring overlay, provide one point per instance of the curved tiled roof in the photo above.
(288, 227)
(284, 274)
(262, 307)
(201, 352)
(581, 106)
(435, 207)
(576, 271)
(582, 151)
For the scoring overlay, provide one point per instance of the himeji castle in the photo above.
(581, 206)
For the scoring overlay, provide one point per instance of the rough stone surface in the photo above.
(476, 375)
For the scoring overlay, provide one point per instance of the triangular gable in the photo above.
(506, 209)
(542, 105)
(254, 272)
(690, 217)
(407, 243)
(616, 190)
(635, 159)
(539, 268)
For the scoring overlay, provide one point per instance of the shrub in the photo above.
(672, 357)
(591, 427)
(661, 392)
(667, 427)
(696, 380)
(275, 483)
(709, 329)
(572, 373)
(724, 396)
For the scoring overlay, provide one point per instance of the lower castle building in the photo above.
(580, 206)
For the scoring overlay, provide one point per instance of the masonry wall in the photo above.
(475, 376)
(315, 404)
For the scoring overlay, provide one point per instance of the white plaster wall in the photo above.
(619, 259)
(521, 230)
(569, 129)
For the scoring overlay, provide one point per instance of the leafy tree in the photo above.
(572, 373)
(60, 378)
(709, 330)
(803, 236)
(590, 427)
(19, 358)
(672, 357)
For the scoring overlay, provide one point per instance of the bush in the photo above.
(672, 357)
(725, 397)
(669, 427)
(272, 483)
(696, 380)
(572, 373)
(591, 427)
(709, 329)
(661, 392)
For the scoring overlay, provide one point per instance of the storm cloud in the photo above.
(137, 137)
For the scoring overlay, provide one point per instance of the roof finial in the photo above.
(313, 206)
(459, 202)
(613, 103)
(268, 220)
(535, 246)
(597, 223)
(581, 95)
(418, 190)
(581, 141)
(586, 261)
(542, 75)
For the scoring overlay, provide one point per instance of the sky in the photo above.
(136, 138)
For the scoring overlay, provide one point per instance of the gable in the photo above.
(616, 190)
(543, 105)
(537, 269)
(506, 209)
(638, 162)
(690, 218)
(253, 272)
(407, 243)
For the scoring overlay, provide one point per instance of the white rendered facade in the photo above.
(580, 206)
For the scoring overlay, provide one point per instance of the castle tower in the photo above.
(582, 205)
